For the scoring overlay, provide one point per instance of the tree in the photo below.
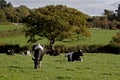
(9, 4)
(2, 16)
(55, 23)
(110, 15)
(11, 14)
(3, 4)
(118, 13)
(23, 12)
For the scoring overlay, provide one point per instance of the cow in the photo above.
(75, 56)
(38, 52)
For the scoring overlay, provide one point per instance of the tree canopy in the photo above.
(55, 23)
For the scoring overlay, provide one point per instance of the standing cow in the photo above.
(38, 51)
(74, 56)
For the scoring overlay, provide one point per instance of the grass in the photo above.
(9, 27)
(94, 67)
(97, 37)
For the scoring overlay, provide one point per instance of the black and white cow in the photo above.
(75, 56)
(38, 51)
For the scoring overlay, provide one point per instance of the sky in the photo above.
(90, 7)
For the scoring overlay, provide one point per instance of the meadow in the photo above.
(10, 27)
(94, 67)
(98, 36)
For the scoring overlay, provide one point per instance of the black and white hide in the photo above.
(38, 51)
(75, 56)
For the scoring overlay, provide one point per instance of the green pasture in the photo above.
(98, 36)
(10, 27)
(94, 67)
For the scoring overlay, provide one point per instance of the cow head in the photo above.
(80, 53)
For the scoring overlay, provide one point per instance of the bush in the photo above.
(4, 48)
(109, 49)
(115, 49)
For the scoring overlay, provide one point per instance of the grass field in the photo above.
(98, 36)
(94, 67)
(9, 27)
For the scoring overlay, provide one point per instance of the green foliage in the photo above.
(116, 39)
(22, 12)
(103, 23)
(109, 20)
(55, 23)
(93, 67)
(2, 16)
(11, 14)
(3, 4)
(118, 13)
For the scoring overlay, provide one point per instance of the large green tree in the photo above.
(55, 23)
(23, 12)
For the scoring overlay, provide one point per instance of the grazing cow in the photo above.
(74, 56)
(38, 51)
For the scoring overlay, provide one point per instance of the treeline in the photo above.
(109, 20)
(8, 13)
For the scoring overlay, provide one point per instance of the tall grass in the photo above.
(94, 67)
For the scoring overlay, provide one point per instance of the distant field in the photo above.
(9, 27)
(98, 36)
(94, 67)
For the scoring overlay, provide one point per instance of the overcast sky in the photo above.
(90, 7)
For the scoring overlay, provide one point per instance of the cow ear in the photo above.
(33, 59)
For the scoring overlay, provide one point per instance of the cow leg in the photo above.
(40, 63)
(69, 59)
(35, 66)
(36, 63)
(80, 59)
